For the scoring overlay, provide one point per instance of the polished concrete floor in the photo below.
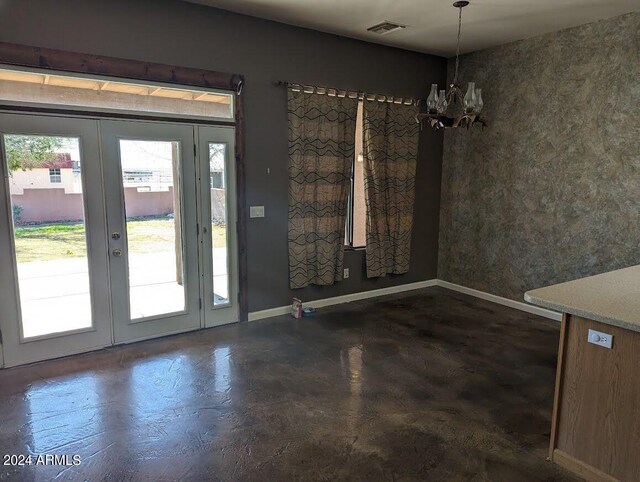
(426, 385)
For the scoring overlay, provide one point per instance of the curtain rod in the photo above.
(314, 89)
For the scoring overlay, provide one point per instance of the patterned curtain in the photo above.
(390, 150)
(321, 150)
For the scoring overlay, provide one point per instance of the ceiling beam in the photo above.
(42, 58)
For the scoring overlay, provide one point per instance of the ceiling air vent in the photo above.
(385, 28)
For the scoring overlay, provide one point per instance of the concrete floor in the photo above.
(426, 385)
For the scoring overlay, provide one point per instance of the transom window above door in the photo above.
(110, 94)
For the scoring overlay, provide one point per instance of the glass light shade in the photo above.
(442, 103)
(432, 100)
(479, 101)
(470, 101)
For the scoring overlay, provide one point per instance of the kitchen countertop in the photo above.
(612, 298)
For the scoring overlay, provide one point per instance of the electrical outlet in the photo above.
(601, 339)
(345, 273)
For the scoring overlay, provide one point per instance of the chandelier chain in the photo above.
(455, 75)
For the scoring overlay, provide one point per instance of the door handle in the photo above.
(117, 252)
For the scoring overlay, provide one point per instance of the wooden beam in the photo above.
(43, 58)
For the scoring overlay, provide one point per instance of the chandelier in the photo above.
(439, 102)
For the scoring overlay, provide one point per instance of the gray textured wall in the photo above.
(180, 33)
(551, 190)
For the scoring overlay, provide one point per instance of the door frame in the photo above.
(82, 63)
(67, 125)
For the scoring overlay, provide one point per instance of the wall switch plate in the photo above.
(601, 339)
(345, 273)
(256, 212)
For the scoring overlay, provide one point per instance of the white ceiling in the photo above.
(432, 24)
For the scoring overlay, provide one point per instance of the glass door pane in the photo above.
(150, 179)
(217, 181)
(49, 233)
(54, 277)
(219, 251)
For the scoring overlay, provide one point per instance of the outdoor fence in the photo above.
(52, 205)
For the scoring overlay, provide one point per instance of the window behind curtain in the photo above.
(356, 228)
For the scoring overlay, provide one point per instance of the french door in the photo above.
(53, 275)
(112, 232)
(149, 170)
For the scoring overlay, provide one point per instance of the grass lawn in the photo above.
(47, 242)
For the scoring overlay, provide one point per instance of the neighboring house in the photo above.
(64, 173)
(61, 173)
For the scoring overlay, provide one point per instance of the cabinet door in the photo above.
(598, 422)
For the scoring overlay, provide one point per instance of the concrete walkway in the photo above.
(55, 294)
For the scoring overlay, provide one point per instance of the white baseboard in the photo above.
(271, 312)
(553, 315)
(336, 300)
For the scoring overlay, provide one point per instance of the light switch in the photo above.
(601, 339)
(256, 212)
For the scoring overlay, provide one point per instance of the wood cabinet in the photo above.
(596, 414)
